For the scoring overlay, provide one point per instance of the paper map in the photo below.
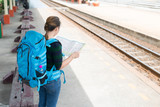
(69, 46)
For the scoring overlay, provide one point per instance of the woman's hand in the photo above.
(69, 59)
(75, 55)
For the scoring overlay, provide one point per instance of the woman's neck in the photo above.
(50, 35)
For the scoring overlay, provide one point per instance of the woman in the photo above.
(49, 93)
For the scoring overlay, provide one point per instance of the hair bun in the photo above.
(51, 23)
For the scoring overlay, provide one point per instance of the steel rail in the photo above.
(124, 38)
(120, 36)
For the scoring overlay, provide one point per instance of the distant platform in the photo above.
(143, 21)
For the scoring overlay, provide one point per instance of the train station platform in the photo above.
(138, 19)
(98, 78)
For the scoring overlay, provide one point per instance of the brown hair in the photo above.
(51, 23)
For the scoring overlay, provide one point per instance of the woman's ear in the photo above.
(57, 29)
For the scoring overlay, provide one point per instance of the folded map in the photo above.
(69, 46)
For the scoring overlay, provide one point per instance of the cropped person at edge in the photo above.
(49, 93)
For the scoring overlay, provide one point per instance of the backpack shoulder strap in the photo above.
(48, 42)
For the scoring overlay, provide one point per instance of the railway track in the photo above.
(149, 59)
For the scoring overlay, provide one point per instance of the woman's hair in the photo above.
(51, 23)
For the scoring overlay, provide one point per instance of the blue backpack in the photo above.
(32, 61)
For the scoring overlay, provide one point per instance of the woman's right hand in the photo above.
(69, 59)
(75, 55)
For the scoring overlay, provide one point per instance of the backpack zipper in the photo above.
(39, 41)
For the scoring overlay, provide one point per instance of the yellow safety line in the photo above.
(132, 86)
(144, 97)
(122, 77)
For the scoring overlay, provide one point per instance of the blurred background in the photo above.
(143, 3)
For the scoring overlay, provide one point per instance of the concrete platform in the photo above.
(97, 79)
(143, 21)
